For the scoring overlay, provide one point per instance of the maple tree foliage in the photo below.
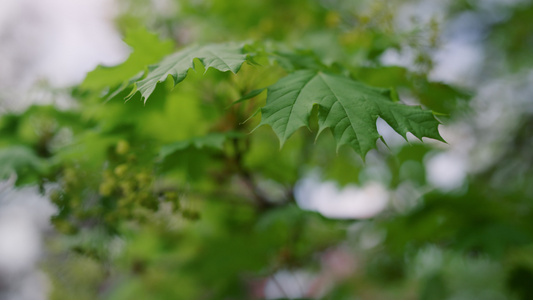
(168, 186)
(348, 107)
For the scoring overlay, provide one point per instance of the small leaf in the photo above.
(349, 108)
(214, 141)
(248, 96)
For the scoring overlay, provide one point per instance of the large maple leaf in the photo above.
(223, 57)
(349, 108)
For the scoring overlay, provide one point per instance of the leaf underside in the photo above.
(349, 108)
(223, 57)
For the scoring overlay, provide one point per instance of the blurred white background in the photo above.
(51, 42)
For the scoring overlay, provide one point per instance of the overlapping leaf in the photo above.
(213, 141)
(21, 161)
(349, 108)
(223, 57)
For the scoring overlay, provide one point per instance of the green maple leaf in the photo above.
(223, 57)
(349, 108)
(213, 141)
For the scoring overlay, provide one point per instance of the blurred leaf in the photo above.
(437, 96)
(213, 141)
(297, 60)
(476, 222)
(434, 288)
(147, 49)
(515, 36)
(193, 156)
(21, 161)
(248, 96)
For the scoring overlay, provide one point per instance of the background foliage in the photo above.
(169, 196)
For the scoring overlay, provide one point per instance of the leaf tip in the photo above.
(133, 91)
(384, 142)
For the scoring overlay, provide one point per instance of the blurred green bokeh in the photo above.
(213, 215)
